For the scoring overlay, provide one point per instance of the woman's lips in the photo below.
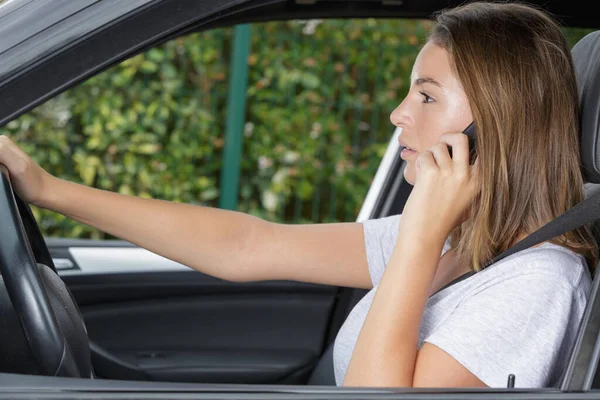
(406, 152)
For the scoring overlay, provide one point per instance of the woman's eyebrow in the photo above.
(421, 81)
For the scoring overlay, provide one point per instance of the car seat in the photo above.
(580, 373)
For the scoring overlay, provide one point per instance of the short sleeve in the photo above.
(522, 325)
(380, 239)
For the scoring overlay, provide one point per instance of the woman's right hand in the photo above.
(28, 179)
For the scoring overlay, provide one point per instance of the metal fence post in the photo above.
(236, 110)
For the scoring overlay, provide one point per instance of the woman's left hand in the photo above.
(444, 187)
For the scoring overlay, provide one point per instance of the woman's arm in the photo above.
(226, 244)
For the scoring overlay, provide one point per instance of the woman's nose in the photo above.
(400, 117)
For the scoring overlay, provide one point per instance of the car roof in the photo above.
(47, 46)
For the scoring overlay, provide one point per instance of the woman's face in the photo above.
(436, 104)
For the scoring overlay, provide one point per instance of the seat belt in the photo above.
(581, 214)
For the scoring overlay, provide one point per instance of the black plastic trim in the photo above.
(110, 389)
(93, 289)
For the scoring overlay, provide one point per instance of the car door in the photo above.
(151, 319)
(140, 284)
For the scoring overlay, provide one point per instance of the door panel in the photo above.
(149, 318)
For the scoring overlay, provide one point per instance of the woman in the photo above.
(506, 67)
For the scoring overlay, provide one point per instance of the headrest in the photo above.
(586, 56)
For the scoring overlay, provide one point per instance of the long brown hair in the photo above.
(517, 72)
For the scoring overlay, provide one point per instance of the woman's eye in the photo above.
(426, 99)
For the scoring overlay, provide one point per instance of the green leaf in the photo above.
(147, 148)
(209, 194)
(148, 66)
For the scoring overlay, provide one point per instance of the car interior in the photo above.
(288, 328)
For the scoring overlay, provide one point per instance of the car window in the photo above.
(315, 120)
(315, 126)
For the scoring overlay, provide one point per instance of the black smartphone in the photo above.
(471, 134)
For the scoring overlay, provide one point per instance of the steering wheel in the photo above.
(47, 313)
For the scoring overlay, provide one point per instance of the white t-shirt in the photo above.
(518, 316)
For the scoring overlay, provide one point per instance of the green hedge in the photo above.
(318, 104)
